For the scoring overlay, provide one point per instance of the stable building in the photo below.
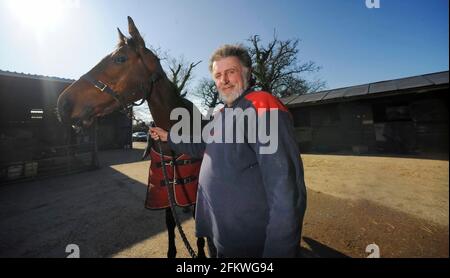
(33, 143)
(400, 116)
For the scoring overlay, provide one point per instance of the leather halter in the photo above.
(103, 87)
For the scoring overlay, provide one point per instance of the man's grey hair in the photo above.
(228, 50)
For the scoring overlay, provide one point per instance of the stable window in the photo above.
(390, 112)
(398, 113)
(327, 115)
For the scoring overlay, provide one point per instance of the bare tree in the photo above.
(316, 86)
(207, 92)
(180, 73)
(298, 86)
(277, 69)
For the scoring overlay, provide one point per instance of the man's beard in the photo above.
(230, 97)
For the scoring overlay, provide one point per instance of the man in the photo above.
(251, 198)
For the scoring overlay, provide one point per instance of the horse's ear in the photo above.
(135, 33)
(122, 39)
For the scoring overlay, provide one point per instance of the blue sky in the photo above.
(352, 44)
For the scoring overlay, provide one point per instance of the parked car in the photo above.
(140, 136)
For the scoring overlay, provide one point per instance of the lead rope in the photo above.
(171, 194)
(170, 190)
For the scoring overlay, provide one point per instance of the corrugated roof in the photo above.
(348, 92)
(383, 86)
(438, 78)
(289, 98)
(35, 76)
(426, 80)
(413, 82)
(312, 97)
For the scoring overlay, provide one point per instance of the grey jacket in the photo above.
(249, 203)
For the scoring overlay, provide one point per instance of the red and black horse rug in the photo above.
(185, 184)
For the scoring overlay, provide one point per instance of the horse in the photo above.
(128, 74)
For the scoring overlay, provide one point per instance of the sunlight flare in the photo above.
(40, 16)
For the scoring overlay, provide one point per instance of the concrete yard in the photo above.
(400, 204)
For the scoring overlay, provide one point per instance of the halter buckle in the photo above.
(101, 86)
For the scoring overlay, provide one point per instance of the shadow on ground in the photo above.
(101, 211)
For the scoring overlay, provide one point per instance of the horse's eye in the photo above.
(120, 59)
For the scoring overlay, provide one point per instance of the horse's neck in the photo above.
(162, 101)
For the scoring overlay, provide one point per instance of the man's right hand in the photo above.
(158, 134)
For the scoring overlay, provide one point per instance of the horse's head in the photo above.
(125, 75)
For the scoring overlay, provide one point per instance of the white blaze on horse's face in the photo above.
(230, 78)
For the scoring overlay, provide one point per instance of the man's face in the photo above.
(230, 78)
